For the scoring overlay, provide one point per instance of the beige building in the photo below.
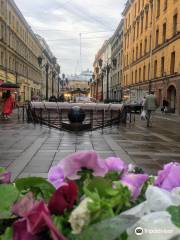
(152, 50)
(78, 84)
(19, 50)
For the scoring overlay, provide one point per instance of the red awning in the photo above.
(6, 89)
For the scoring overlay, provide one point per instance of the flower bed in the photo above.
(86, 197)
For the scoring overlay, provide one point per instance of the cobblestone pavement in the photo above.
(28, 150)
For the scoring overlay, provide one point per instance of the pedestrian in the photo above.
(165, 106)
(8, 105)
(150, 105)
(61, 98)
(52, 99)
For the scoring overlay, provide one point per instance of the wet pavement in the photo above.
(30, 150)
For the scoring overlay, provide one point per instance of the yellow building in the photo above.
(19, 50)
(152, 50)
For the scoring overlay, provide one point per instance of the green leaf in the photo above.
(8, 235)
(109, 229)
(100, 185)
(8, 195)
(39, 186)
(175, 215)
(2, 170)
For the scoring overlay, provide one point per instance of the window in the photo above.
(164, 32)
(147, 16)
(157, 37)
(136, 52)
(134, 33)
(133, 56)
(2, 59)
(136, 76)
(144, 73)
(149, 69)
(135, 9)
(165, 4)
(10, 18)
(128, 40)
(150, 43)
(155, 68)
(138, 5)
(158, 8)
(175, 24)
(145, 46)
(173, 58)
(140, 49)
(139, 74)
(137, 28)
(162, 66)
(142, 19)
(132, 80)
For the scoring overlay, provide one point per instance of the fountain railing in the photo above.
(55, 115)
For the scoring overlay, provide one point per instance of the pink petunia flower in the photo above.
(24, 205)
(34, 222)
(169, 177)
(72, 164)
(134, 182)
(5, 177)
(115, 164)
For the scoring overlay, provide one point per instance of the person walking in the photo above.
(150, 105)
(8, 105)
(165, 106)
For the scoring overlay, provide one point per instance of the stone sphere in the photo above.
(76, 115)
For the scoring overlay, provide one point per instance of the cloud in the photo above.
(61, 21)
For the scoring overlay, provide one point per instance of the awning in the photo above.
(8, 86)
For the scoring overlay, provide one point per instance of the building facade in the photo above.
(50, 85)
(19, 50)
(102, 72)
(117, 68)
(152, 50)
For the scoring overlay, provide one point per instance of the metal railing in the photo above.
(55, 115)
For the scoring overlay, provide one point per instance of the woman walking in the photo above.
(8, 105)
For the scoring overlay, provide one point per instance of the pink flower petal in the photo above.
(134, 182)
(24, 205)
(115, 164)
(5, 177)
(169, 177)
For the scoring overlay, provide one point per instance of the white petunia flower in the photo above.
(80, 217)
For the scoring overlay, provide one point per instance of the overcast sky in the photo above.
(60, 22)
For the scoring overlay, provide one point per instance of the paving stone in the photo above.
(29, 150)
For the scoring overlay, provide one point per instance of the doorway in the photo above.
(171, 94)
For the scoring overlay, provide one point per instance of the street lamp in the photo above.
(59, 82)
(53, 79)
(46, 66)
(100, 62)
(107, 68)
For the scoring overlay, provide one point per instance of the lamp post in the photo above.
(100, 62)
(97, 82)
(47, 78)
(53, 79)
(46, 66)
(108, 68)
(59, 81)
